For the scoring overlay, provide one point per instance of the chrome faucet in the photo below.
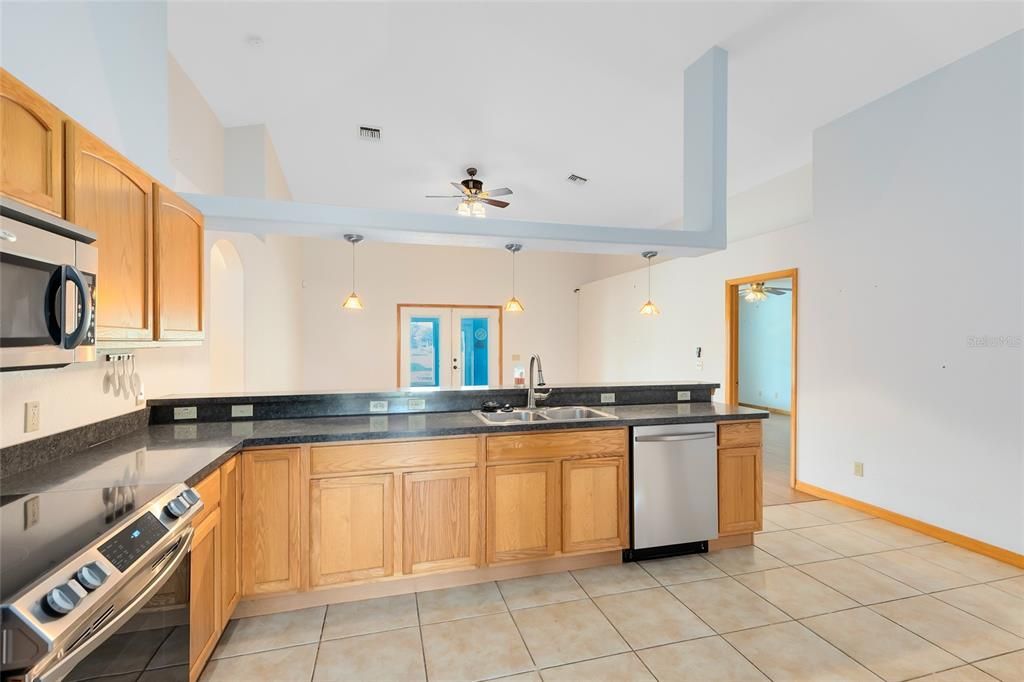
(533, 396)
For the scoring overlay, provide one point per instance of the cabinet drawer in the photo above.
(531, 446)
(209, 493)
(734, 435)
(333, 459)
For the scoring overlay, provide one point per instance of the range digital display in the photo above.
(126, 547)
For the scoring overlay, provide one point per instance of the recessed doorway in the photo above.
(761, 370)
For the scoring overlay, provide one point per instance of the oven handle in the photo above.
(75, 338)
(172, 560)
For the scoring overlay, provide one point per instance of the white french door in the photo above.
(447, 346)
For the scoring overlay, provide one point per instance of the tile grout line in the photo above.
(522, 639)
(419, 629)
(319, 641)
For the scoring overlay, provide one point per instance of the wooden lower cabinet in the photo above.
(205, 625)
(352, 529)
(523, 507)
(739, 490)
(271, 486)
(230, 505)
(440, 520)
(595, 499)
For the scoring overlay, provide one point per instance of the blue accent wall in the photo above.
(765, 363)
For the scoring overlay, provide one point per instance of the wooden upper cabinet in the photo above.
(739, 490)
(595, 504)
(522, 511)
(179, 248)
(230, 511)
(440, 520)
(270, 521)
(31, 147)
(351, 527)
(106, 193)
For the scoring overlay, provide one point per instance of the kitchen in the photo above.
(243, 453)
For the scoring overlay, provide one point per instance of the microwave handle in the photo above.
(53, 305)
(75, 338)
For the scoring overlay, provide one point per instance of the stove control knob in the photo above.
(175, 508)
(91, 576)
(190, 496)
(60, 600)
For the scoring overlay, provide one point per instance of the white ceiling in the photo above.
(529, 92)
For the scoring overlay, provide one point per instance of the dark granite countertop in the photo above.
(172, 453)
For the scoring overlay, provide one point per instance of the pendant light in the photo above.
(353, 302)
(649, 308)
(513, 305)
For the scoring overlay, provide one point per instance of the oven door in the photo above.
(33, 307)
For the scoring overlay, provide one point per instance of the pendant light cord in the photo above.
(354, 266)
(513, 274)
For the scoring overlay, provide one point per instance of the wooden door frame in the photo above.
(732, 335)
(398, 329)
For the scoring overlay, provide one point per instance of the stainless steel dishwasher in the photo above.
(675, 490)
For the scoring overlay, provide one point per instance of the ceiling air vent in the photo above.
(369, 134)
(577, 179)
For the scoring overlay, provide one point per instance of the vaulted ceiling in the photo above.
(529, 92)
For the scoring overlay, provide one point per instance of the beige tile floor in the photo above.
(826, 594)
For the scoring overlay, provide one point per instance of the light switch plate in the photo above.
(31, 512)
(858, 468)
(417, 404)
(378, 406)
(186, 412)
(241, 411)
(607, 397)
(682, 395)
(32, 416)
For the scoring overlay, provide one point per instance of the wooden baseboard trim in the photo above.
(267, 604)
(998, 553)
(773, 410)
(730, 541)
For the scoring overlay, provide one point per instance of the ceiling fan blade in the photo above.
(782, 289)
(443, 196)
(775, 292)
(460, 188)
(494, 202)
(500, 192)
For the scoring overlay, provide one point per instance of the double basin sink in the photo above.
(543, 414)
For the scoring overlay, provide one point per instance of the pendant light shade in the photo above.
(514, 305)
(353, 302)
(649, 308)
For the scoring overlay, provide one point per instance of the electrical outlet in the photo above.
(186, 412)
(417, 404)
(241, 411)
(682, 395)
(700, 365)
(858, 468)
(32, 416)
(31, 512)
(607, 397)
(378, 406)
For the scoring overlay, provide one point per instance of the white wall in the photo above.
(914, 248)
(357, 350)
(196, 144)
(102, 63)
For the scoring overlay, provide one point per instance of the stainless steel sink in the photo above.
(543, 414)
(574, 414)
(513, 417)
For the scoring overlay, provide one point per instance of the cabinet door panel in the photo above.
(31, 145)
(270, 521)
(112, 197)
(522, 511)
(594, 504)
(204, 598)
(352, 534)
(230, 499)
(440, 520)
(739, 490)
(179, 248)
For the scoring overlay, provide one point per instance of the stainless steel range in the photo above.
(60, 601)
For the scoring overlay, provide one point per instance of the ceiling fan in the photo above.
(757, 291)
(473, 196)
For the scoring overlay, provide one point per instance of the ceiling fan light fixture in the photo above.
(649, 308)
(755, 293)
(463, 208)
(477, 210)
(514, 305)
(352, 302)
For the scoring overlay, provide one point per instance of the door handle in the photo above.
(675, 437)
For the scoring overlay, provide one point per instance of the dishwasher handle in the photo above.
(675, 437)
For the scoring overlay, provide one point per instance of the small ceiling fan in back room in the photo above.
(473, 196)
(757, 291)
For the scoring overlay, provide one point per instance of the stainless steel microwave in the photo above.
(47, 290)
